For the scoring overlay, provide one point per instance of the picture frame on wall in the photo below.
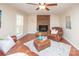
(0, 17)
(68, 22)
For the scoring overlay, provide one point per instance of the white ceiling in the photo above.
(61, 7)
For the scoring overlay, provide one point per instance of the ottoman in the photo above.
(40, 44)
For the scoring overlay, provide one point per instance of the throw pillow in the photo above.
(54, 31)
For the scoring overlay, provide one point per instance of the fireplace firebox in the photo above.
(43, 28)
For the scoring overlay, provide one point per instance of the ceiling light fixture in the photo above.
(42, 6)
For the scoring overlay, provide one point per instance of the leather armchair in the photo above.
(56, 36)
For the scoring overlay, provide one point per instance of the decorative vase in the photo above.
(40, 38)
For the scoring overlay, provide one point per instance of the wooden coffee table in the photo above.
(40, 45)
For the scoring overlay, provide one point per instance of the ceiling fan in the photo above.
(43, 5)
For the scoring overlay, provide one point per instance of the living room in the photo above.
(11, 12)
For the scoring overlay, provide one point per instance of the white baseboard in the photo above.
(73, 44)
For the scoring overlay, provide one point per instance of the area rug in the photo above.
(56, 49)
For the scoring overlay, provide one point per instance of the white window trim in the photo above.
(17, 17)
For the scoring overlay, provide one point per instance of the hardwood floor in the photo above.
(19, 47)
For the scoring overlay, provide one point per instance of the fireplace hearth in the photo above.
(43, 28)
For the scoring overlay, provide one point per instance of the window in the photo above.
(19, 24)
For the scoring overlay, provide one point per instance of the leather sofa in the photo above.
(58, 35)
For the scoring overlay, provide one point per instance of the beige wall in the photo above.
(8, 20)
(32, 23)
(54, 20)
(71, 35)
